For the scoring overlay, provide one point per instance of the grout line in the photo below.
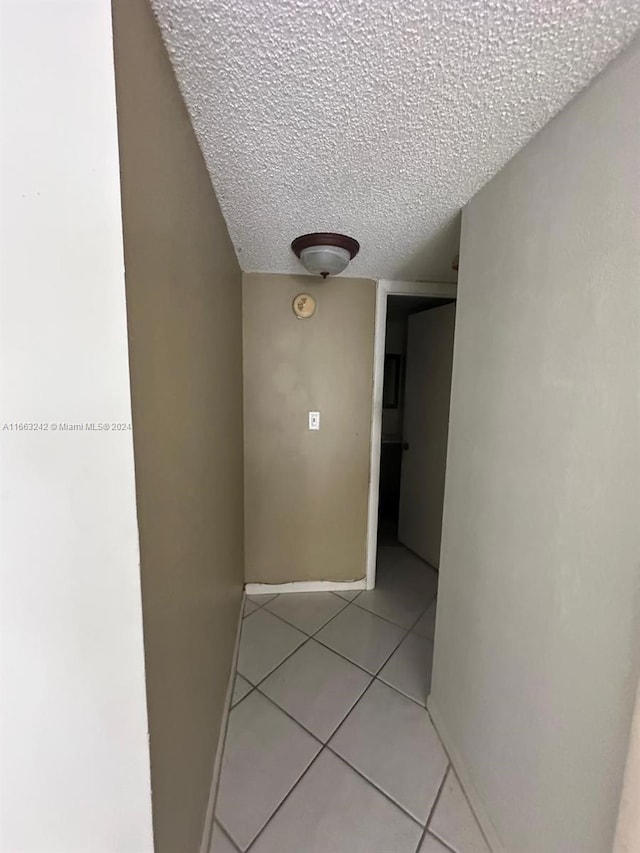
(420, 840)
(348, 600)
(413, 553)
(431, 600)
(424, 707)
(248, 693)
(335, 616)
(279, 664)
(464, 794)
(453, 770)
(269, 595)
(373, 785)
(384, 618)
(404, 695)
(306, 636)
(433, 808)
(346, 716)
(353, 663)
(226, 835)
(413, 624)
(440, 789)
(286, 797)
(445, 844)
(286, 621)
(407, 632)
(353, 604)
(291, 717)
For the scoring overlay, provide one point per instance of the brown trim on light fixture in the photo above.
(326, 238)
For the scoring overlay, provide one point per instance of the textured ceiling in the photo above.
(377, 118)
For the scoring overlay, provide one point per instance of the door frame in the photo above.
(385, 288)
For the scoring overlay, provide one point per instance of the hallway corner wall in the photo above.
(306, 492)
(536, 647)
(184, 304)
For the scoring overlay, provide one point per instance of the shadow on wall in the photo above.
(433, 261)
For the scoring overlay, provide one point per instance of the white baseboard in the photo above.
(303, 586)
(207, 831)
(463, 777)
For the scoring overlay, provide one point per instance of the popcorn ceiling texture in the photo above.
(377, 118)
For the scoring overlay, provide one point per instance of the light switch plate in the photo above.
(314, 420)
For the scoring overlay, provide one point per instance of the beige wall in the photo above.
(184, 311)
(306, 492)
(536, 650)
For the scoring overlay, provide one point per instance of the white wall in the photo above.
(537, 641)
(75, 762)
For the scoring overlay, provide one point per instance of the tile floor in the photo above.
(329, 746)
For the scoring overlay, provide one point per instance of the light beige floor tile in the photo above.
(362, 637)
(265, 754)
(264, 643)
(426, 625)
(333, 810)
(430, 844)
(307, 611)
(317, 687)
(220, 843)
(391, 741)
(240, 689)
(393, 557)
(409, 668)
(402, 606)
(400, 569)
(454, 822)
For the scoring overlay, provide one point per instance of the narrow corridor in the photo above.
(329, 747)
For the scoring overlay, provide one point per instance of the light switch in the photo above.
(314, 420)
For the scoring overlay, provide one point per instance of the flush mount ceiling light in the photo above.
(325, 253)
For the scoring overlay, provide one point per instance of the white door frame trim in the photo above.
(384, 287)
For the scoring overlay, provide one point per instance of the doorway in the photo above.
(412, 379)
(415, 396)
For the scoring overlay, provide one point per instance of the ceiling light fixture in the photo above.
(325, 253)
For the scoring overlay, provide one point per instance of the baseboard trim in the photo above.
(304, 586)
(475, 802)
(207, 831)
